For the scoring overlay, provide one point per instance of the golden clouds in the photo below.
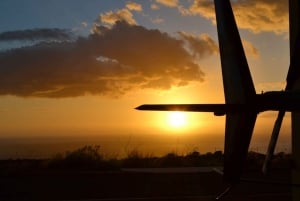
(254, 15)
(124, 14)
(173, 4)
(263, 15)
(154, 7)
(169, 3)
(203, 8)
(134, 6)
(111, 17)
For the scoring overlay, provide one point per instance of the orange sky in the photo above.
(85, 74)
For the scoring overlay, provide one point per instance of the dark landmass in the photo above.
(80, 185)
(84, 174)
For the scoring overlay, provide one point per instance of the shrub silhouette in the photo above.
(172, 160)
(90, 158)
(87, 157)
(137, 159)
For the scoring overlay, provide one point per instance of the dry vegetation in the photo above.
(90, 158)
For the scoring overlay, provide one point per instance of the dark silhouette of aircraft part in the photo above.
(292, 76)
(242, 104)
(293, 83)
(294, 86)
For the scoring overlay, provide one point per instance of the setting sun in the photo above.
(176, 119)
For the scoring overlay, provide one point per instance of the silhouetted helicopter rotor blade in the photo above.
(292, 76)
(235, 70)
(238, 89)
(293, 84)
(273, 141)
(294, 19)
(215, 108)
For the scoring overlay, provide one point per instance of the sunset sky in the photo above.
(77, 69)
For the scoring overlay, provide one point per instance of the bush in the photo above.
(138, 160)
(85, 158)
(172, 160)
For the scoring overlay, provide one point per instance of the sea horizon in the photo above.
(120, 145)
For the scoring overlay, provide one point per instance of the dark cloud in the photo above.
(36, 34)
(111, 61)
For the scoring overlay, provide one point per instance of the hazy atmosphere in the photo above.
(72, 72)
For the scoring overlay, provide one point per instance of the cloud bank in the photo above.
(111, 61)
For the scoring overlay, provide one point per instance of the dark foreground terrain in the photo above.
(120, 185)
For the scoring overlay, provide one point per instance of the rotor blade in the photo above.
(294, 71)
(292, 76)
(238, 89)
(273, 141)
(218, 109)
(238, 132)
(294, 19)
(237, 80)
(293, 83)
(294, 23)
